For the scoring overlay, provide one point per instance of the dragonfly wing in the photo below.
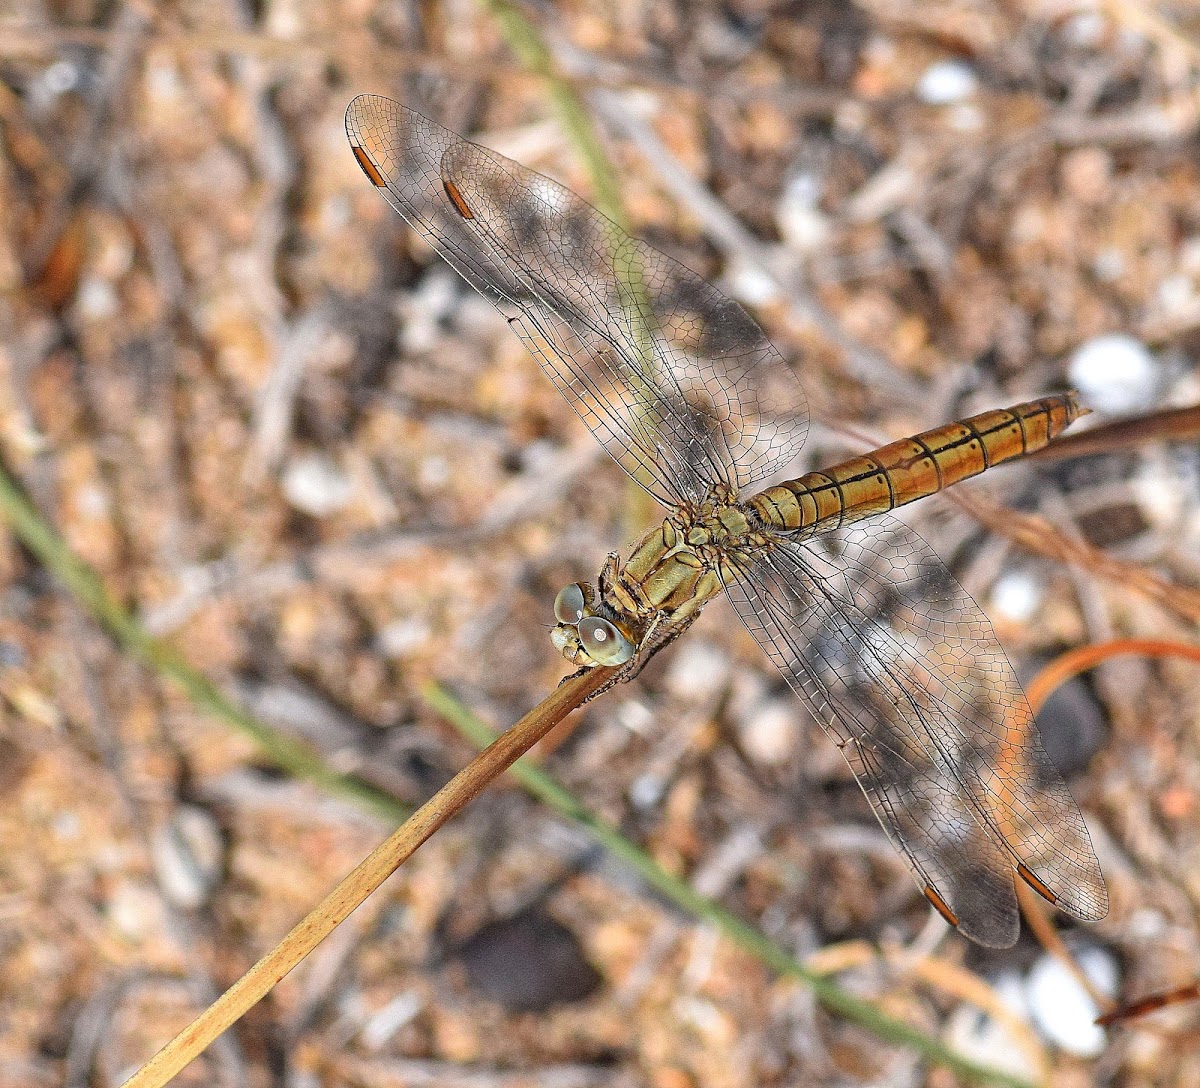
(676, 380)
(904, 672)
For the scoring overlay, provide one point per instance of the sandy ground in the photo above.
(313, 460)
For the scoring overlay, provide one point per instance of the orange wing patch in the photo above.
(1027, 876)
(456, 198)
(368, 167)
(940, 905)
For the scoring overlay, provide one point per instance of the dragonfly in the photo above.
(867, 625)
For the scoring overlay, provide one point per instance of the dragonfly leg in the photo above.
(662, 631)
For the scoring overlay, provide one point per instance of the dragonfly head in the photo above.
(585, 637)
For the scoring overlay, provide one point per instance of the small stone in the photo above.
(96, 300)
(698, 671)
(946, 82)
(315, 485)
(60, 77)
(1016, 595)
(752, 285)
(770, 731)
(802, 224)
(646, 791)
(433, 472)
(401, 1010)
(1061, 1008)
(528, 962)
(401, 637)
(1109, 264)
(1176, 294)
(1114, 374)
(188, 854)
(423, 311)
(635, 716)
(1072, 724)
(1085, 30)
(134, 911)
(989, 1041)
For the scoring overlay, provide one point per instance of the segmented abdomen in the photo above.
(912, 468)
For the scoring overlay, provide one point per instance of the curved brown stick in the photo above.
(372, 871)
(1154, 1002)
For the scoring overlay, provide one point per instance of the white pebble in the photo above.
(93, 502)
(1189, 255)
(770, 731)
(96, 299)
(61, 77)
(699, 671)
(974, 1034)
(802, 224)
(1147, 924)
(1061, 1008)
(1016, 595)
(134, 911)
(636, 716)
(1114, 373)
(433, 472)
(164, 82)
(314, 484)
(337, 213)
(1085, 30)
(946, 82)
(188, 853)
(1109, 264)
(401, 637)
(401, 1010)
(421, 312)
(66, 826)
(1176, 293)
(646, 791)
(751, 285)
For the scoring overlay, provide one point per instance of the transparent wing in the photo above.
(903, 670)
(675, 380)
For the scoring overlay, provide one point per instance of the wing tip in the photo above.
(359, 111)
(1087, 901)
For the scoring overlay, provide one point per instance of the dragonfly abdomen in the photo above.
(912, 468)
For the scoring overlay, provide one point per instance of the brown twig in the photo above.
(1039, 536)
(1172, 424)
(1151, 1003)
(1073, 662)
(384, 860)
(1053, 676)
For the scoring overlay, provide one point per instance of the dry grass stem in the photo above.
(368, 875)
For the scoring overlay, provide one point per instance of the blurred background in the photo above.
(309, 457)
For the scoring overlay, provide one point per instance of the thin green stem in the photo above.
(628, 256)
(87, 587)
(526, 41)
(740, 932)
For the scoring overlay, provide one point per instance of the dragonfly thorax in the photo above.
(642, 602)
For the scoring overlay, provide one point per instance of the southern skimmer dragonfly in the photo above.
(866, 623)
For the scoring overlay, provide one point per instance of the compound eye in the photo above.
(604, 643)
(569, 604)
